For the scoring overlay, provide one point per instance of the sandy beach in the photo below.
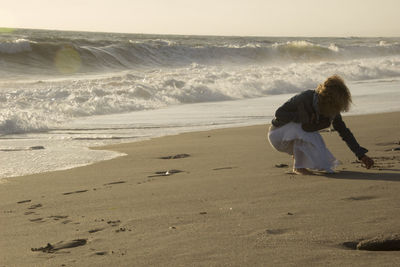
(212, 198)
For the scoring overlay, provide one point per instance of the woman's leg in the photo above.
(300, 161)
(312, 154)
(308, 148)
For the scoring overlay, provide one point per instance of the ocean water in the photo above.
(62, 92)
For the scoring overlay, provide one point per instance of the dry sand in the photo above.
(226, 204)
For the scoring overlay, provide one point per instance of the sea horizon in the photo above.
(199, 35)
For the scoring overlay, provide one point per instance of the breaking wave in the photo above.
(34, 55)
(35, 106)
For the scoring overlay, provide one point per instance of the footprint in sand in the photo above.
(164, 173)
(61, 245)
(223, 168)
(36, 220)
(276, 231)
(58, 217)
(359, 198)
(114, 223)
(75, 192)
(266, 237)
(388, 143)
(35, 206)
(101, 253)
(178, 156)
(119, 182)
(95, 230)
(122, 229)
(24, 201)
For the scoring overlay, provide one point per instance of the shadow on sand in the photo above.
(379, 176)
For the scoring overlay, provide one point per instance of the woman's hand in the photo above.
(367, 161)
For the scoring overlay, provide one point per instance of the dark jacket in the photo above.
(301, 107)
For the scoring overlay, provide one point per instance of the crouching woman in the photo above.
(295, 128)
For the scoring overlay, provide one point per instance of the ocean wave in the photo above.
(18, 121)
(15, 46)
(44, 55)
(39, 105)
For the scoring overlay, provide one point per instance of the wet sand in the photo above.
(214, 198)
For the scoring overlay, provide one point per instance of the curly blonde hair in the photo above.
(333, 96)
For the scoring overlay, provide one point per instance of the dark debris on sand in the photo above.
(24, 201)
(35, 206)
(223, 168)
(75, 192)
(281, 165)
(379, 243)
(61, 245)
(164, 173)
(118, 182)
(178, 156)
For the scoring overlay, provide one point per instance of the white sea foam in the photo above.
(14, 122)
(57, 154)
(36, 106)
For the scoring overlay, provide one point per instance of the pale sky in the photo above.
(209, 17)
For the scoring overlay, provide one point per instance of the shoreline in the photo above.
(222, 202)
(109, 147)
(68, 142)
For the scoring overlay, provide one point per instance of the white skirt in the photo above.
(308, 148)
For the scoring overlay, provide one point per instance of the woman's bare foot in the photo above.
(302, 171)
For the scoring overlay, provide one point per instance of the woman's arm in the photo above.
(348, 137)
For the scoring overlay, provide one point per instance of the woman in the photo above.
(296, 124)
